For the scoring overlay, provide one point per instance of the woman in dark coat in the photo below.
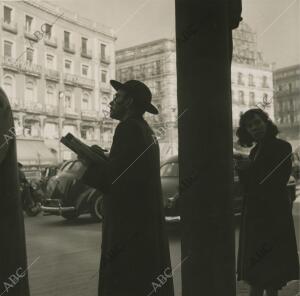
(267, 257)
(13, 266)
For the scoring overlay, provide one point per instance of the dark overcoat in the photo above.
(13, 267)
(268, 255)
(135, 258)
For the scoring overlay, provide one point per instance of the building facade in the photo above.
(155, 64)
(287, 103)
(55, 69)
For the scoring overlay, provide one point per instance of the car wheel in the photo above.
(97, 208)
(70, 215)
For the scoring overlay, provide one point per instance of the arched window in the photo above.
(30, 92)
(85, 103)
(9, 87)
(51, 98)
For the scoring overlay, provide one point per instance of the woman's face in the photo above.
(256, 127)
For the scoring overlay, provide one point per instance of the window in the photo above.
(69, 129)
(48, 31)
(240, 78)
(30, 92)
(251, 99)
(67, 39)
(7, 12)
(9, 87)
(69, 102)
(265, 81)
(51, 130)
(29, 55)
(241, 97)
(103, 51)
(68, 66)
(251, 80)
(87, 133)
(85, 70)
(84, 45)
(31, 128)
(8, 48)
(28, 23)
(103, 76)
(50, 61)
(50, 95)
(85, 102)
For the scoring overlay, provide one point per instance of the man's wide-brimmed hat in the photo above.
(138, 91)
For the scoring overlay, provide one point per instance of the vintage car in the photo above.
(170, 185)
(67, 196)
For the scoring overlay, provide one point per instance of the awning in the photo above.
(34, 152)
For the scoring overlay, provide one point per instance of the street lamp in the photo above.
(61, 95)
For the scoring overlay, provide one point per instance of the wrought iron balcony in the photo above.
(70, 79)
(85, 82)
(34, 107)
(105, 59)
(30, 68)
(10, 63)
(89, 114)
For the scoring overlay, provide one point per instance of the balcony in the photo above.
(11, 27)
(50, 41)
(89, 114)
(86, 82)
(105, 60)
(71, 113)
(33, 107)
(105, 88)
(30, 69)
(52, 75)
(52, 110)
(86, 53)
(30, 35)
(70, 79)
(69, 47)
(10, 63)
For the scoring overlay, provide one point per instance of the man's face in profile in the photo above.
(119, 105)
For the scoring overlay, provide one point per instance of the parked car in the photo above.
(67, 196)
(170, 185)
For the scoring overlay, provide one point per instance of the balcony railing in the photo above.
(69, 47)
(86, 82)
(70, 112)
(34, 107)
(52, 110)
(30, 68)
(10, 63)
(11, 27)
(70, 79)
(51, 74)
(87, 53)
(52, 41)
(89, 114)
(105, 59)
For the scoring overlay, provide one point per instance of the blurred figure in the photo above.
(267, 258)
(13, 265)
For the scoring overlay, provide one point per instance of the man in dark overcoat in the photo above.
(135, 258)
(13, 266)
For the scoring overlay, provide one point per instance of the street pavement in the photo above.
(65, 256)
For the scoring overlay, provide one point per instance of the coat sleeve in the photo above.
(277, 166)
(126, 150)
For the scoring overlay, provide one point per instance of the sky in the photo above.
(277, 23)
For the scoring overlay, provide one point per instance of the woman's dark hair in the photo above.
(244, 138)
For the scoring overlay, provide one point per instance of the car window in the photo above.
(169, 169)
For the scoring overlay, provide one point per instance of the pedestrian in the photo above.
(13, 263)
(267, 257)
(135, 249)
